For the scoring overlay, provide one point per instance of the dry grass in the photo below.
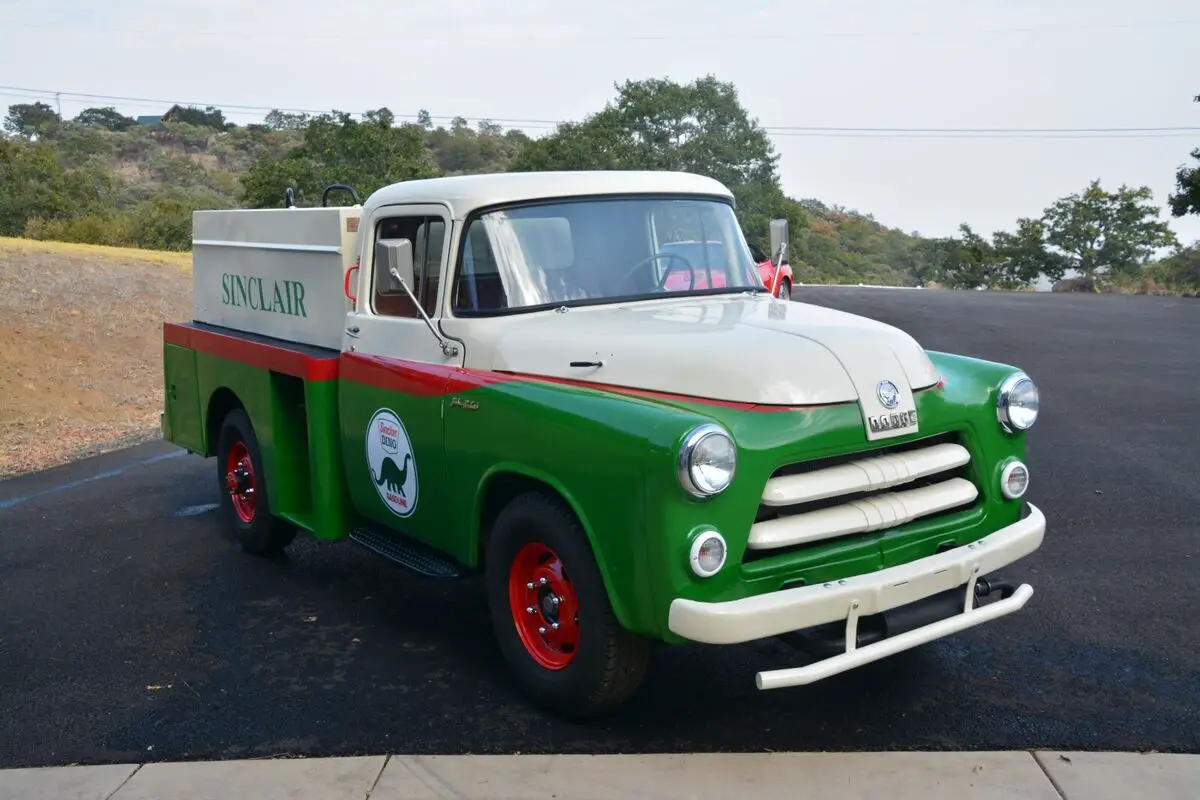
(81, 347)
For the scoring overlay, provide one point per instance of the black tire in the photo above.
(261, 533)
(785, 289)
(610, 662)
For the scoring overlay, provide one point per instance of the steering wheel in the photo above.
(663, 280)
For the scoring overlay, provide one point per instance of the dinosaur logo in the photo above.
(391, 463)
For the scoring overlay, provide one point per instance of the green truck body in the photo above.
(622, 467)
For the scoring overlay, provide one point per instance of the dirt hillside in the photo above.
(81, 347)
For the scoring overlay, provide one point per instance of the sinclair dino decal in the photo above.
(393, 467)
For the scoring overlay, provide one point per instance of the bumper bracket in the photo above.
(850, 601)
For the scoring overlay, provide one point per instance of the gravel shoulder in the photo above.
(81, 348)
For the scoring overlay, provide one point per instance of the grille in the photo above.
(825, 499)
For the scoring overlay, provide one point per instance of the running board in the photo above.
(408, 553)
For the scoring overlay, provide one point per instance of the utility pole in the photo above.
(58, 103)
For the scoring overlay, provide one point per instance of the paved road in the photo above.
(115, 585)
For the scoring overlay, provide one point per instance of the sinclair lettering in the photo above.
(283, 297)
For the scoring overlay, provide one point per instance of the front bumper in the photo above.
(777, 613)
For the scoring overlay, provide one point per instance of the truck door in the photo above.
(393, 379)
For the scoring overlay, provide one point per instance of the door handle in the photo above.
(352, 331)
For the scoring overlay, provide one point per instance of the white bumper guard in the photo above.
(787, 610)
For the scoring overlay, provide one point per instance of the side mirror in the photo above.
(394, 265)
(779, 240)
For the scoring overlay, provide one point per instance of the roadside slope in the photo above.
(81, 347)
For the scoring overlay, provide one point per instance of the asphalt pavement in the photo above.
(132, 631)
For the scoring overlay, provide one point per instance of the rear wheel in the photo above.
(785, 289)
(551, 614)
(242, 484)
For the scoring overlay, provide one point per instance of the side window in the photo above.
(427, 235)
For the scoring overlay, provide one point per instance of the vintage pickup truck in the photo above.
(492, 374)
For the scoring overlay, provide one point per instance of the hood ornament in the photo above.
(888, 394)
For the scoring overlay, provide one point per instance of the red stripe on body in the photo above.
(251, 353)
(432, 380)
(652, 394)
(415, 377)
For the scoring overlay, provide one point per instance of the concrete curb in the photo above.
(1029, 775)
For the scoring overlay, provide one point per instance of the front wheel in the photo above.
(551, 614)
(242, 484)
(785, 289)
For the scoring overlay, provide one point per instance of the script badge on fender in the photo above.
(391, 462)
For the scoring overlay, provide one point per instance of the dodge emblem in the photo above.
(888, 394)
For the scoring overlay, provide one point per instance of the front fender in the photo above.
(592, 447)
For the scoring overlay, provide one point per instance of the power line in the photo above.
(556, 36)
(773, 130)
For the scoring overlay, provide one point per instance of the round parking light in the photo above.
(708, 554)
(1014, 480)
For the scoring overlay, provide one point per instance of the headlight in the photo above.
(707, 461)
(1017, 403)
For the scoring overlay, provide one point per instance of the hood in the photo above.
(744, 349)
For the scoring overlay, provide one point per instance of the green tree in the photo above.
(209, 117)
(1186, 197)
(970, 261)
(1022, 256)
(1179, 271)
(31, 183)
(935, 260)
(75, 144)
(658, 124)
(1098, 232)
(107, 118)
(339, 149)
(460, 149)
(278, 120)
(31, 120)
(164, 223)
(34, 184)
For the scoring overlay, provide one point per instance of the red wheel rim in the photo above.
(240, 482)
(544, 605)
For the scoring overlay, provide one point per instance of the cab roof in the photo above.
(466, 193)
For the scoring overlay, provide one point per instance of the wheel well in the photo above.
(219, 405)
(497, 492)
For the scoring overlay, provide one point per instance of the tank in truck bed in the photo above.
(275, 272)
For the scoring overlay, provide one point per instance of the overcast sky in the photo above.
(820, 63)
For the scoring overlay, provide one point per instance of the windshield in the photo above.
(601, 250)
